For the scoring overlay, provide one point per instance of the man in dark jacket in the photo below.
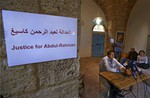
(132, 55)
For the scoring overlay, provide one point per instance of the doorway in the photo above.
(148, 46)
(98, 45)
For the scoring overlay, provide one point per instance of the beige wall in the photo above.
(138, 26)
(89, 10)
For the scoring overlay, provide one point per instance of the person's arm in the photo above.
(146, 60)
(121, 67)
(108, 67)
(138, 59)
(118, 64)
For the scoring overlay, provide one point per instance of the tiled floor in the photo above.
(90, 68)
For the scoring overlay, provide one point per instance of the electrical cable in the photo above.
(137, 88)
(147, 88)
(105, 96)
(120, 78)
(144, 84)
(116, 89)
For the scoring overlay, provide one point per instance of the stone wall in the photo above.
(55, 79)
(116, 13)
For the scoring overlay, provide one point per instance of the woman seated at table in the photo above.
(142, 60)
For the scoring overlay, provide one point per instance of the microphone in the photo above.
(136, 68)
(131, 65)
(134, 75)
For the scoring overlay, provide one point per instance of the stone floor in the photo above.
(90, 68)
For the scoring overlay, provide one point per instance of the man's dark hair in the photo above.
(108, 53)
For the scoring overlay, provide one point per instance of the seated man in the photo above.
(132, 55)
(109, 63)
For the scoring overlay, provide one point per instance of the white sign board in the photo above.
(32, 38)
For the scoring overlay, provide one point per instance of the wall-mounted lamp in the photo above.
(112, 41)
(98, 25)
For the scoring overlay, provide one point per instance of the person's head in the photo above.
(141, 52)
(132, 49)
(110, 54)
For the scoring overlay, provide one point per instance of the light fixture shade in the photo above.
(99, 28)
(112, 40)
(98, 21)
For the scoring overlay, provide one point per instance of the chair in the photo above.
(103, 85)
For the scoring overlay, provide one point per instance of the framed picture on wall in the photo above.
(120, 37)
